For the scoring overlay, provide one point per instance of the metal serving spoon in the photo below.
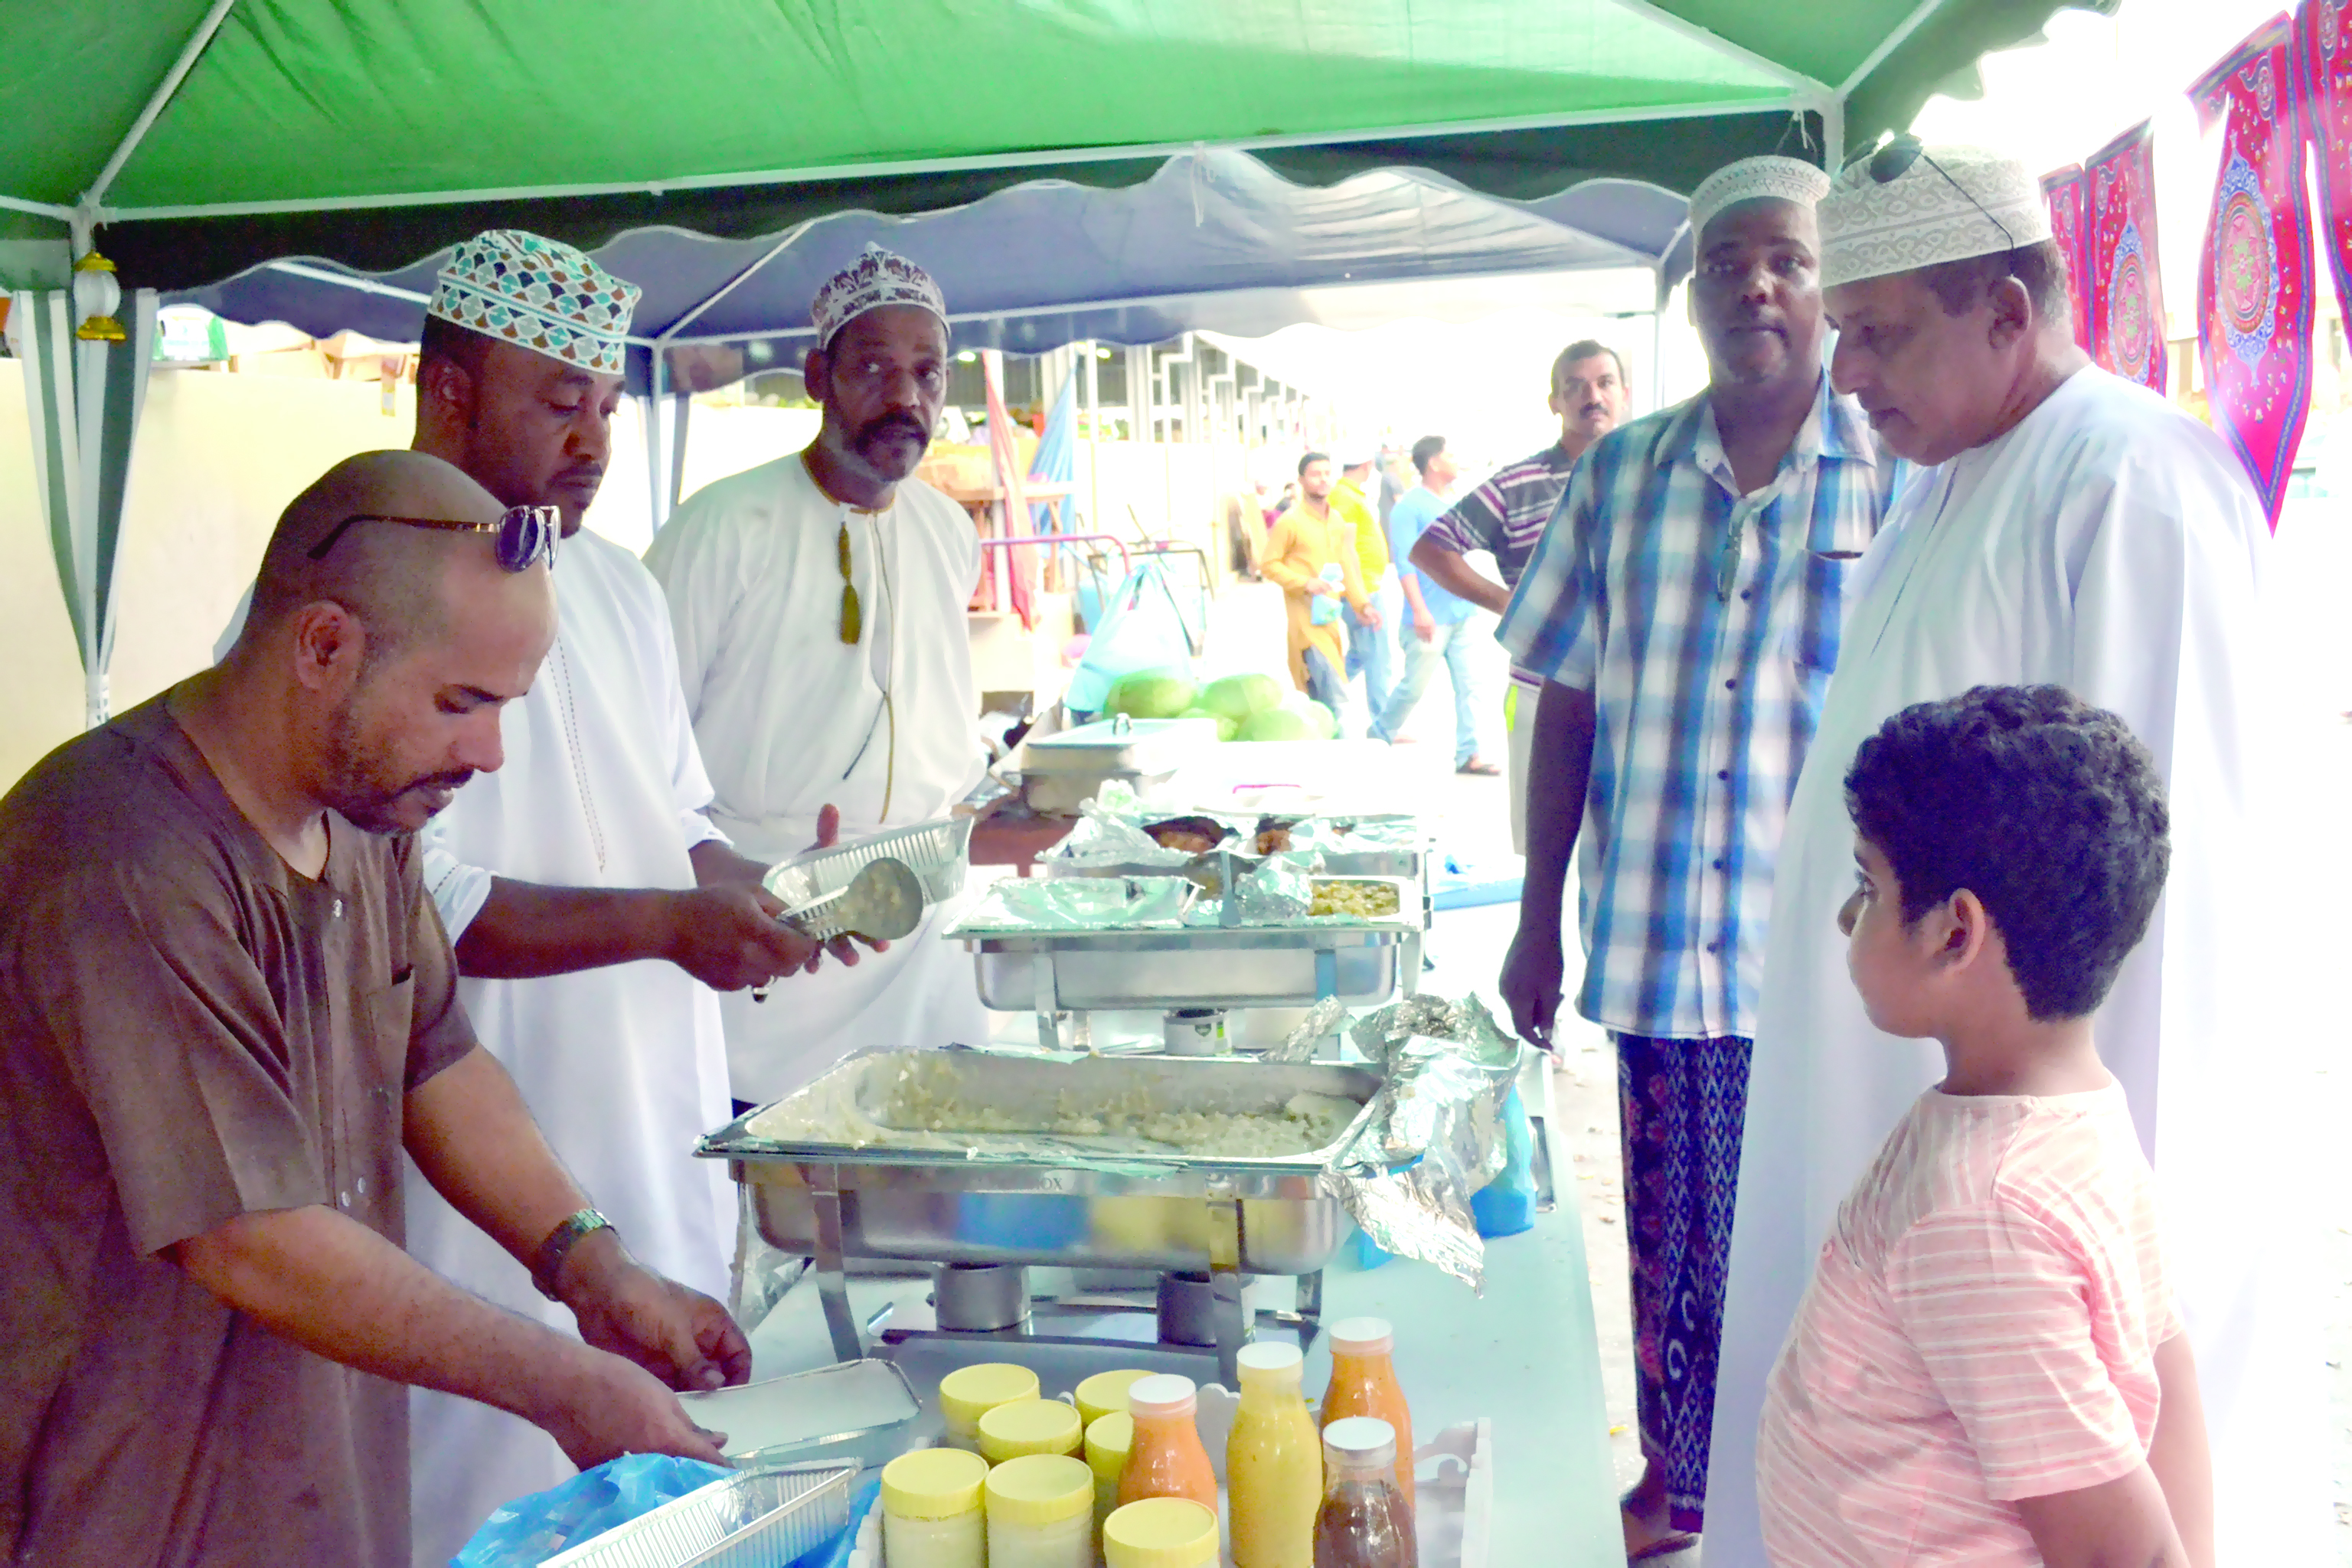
(882, 903)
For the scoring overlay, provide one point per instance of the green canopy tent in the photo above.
(192, 139)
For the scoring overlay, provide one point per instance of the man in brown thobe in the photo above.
(227, 1007)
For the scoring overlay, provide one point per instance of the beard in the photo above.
(367, 786)
(868, 442)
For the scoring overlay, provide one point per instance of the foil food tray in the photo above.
(1045, 1198)
(857, 1410)
(754, 1519)
(1384, 861)
(937, 852)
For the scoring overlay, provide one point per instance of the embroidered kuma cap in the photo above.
(875, 278)
(1751, 179)
(540, 294)
(1948, 204)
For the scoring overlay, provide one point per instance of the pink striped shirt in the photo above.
(1981, 1327)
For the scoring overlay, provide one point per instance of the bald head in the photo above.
(393, 655)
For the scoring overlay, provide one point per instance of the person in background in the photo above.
(227, 1011)
(2078, 530)
(1988, 1367)
(1369, 649)
(1683, 610)
(1396, 478)
(1312, 554)
(818, 603)
(1505, 517)
(1437, 628)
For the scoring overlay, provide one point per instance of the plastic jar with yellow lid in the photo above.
(931, 1510)
(1108, 1438)
(1159, 1532)
(1030, 1426)
(1041, 1513)
(970, 1393)
(1105, 1393)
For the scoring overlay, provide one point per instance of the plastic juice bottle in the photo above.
(1364, 1384)
(970, 1393)
(1274, 1463)
(1364, 1522)
(1160, 1532)
(1167, 1460)
(931, 1510)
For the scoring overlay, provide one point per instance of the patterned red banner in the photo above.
(2063, 191)
(2126, 295)
(2254, 279)
(2323, 48)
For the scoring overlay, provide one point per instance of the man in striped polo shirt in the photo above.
(1681, 610)
(1505, 516)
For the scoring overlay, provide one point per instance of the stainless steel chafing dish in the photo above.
(1042, 1197)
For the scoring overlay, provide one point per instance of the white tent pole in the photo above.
(1886, 46)
(156, 101)
(1721, 46)
(1094, 440)
(730, 286)
(39, 209)
(1761, 104)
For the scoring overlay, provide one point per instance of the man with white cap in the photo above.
(1682, 611)
(2076, 529)
(818, 603)
(591, 903)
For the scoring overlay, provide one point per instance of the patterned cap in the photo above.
(537, 294)
(1951, 204)
(877, 278)
(1751, 179)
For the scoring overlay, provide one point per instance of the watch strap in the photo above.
(548, 1261)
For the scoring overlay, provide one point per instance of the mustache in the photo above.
(450, 781)
(586, 473)
(897, 419)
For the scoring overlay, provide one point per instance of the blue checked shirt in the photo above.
(1706, 625)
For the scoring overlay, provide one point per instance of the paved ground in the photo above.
(2313, 570)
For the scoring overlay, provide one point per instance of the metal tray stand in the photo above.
(754, 1519)
(1022, 1198)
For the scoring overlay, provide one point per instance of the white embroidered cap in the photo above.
(1948, 204)
(1779, 179)
(877, 278)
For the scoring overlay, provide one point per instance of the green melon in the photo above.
(1150, 694)
(1239, 696)
(1226, 723)
(1277, 724)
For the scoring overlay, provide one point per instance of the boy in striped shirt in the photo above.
(1988, 1368)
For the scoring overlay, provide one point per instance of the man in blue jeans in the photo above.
(1436, 624)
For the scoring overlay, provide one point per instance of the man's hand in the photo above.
(681, 1336)
(732, 937)
(1322, 588)
(1533, 971)
(1424, 626)
(828, 833)
(602, 1407)
(1370, 615)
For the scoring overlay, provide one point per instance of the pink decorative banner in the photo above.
(2254, 286)
(2323, 48)
(2127, 294)
(2062, 189)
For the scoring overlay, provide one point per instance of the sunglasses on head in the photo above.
(1889, 163)
(525, 535)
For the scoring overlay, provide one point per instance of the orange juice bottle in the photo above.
(1274, 1463)
(1167, 1459)
(1364, 1384)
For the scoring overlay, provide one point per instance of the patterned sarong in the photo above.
(1681, 1104)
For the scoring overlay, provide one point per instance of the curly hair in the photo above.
(2047, 808)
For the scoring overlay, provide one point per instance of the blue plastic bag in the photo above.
(529, 1531)
(1507, 1205)
(1143, 626)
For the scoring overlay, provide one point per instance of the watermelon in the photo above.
(1226, 723)
(1321, 721)
(1277, 724)
(1239, 696)
(1150, 694)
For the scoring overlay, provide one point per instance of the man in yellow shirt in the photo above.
(1310, 544)
(1370, 648)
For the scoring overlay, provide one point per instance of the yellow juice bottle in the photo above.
(1274, 1463)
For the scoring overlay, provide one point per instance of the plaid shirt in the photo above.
(1706, 695)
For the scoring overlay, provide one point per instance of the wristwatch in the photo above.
(548, 1261)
